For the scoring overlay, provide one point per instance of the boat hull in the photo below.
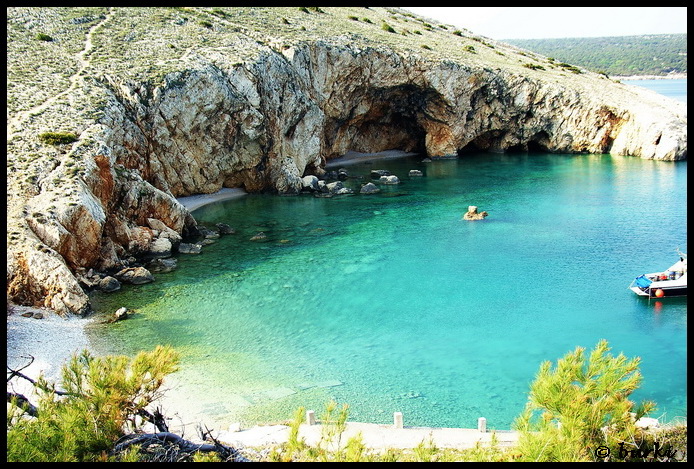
(668, 292)
(669, 283)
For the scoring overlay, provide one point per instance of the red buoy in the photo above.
(659, 293)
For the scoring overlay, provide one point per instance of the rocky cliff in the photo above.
(159, 103)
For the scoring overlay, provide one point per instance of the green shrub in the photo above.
(533, 66)
(579, 406)
(470, 49)
(100, 402)
(570, 68)
(205, 24)
(353, 18)
(44, 37)
(304, 9)
(57, 138)
(387, 27)
(458, 32)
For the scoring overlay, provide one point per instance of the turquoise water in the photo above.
(391, 302)
(675, 89)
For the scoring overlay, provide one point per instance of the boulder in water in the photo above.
(473, 214)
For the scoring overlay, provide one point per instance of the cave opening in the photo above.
(539, 142)
(392, 118)
(489, 141)
(492, 141)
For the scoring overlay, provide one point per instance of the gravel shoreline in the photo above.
(51, 341)
(352, 157)
(196, 201)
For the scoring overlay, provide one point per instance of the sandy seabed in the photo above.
(53, 340)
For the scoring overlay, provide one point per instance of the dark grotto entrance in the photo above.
(493, 141)
(387, 118)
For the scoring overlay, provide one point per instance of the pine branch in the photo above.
(23, 403)
(17, 373)
(169, 447)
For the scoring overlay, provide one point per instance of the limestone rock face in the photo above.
(264, 117)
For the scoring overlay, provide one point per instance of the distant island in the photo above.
(654, 54)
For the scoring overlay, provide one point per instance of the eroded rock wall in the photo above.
(262, 125)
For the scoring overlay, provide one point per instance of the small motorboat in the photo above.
(670, 282)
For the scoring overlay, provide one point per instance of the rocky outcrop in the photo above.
(269, 122)
(473, 214)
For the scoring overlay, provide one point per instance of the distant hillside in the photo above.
(625, 55)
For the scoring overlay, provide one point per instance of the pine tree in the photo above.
(577, 407)
(100, 401)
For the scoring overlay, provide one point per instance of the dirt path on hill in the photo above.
(14, 123)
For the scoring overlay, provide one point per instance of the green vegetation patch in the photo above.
(57, 138)
(653, 54)
(533, 66)
(387, 27)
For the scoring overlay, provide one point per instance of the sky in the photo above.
(552, 22)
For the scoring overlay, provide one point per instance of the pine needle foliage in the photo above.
(100, 401)
(580, 405)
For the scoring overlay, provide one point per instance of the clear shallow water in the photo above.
(391, 302)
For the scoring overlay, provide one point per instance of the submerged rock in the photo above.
(208, 233)
(108, 284)
(162, 265)
(189, 248)
(369, 188)
(225, 229)
(337, 188)
(135, 275)
(389, 180)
